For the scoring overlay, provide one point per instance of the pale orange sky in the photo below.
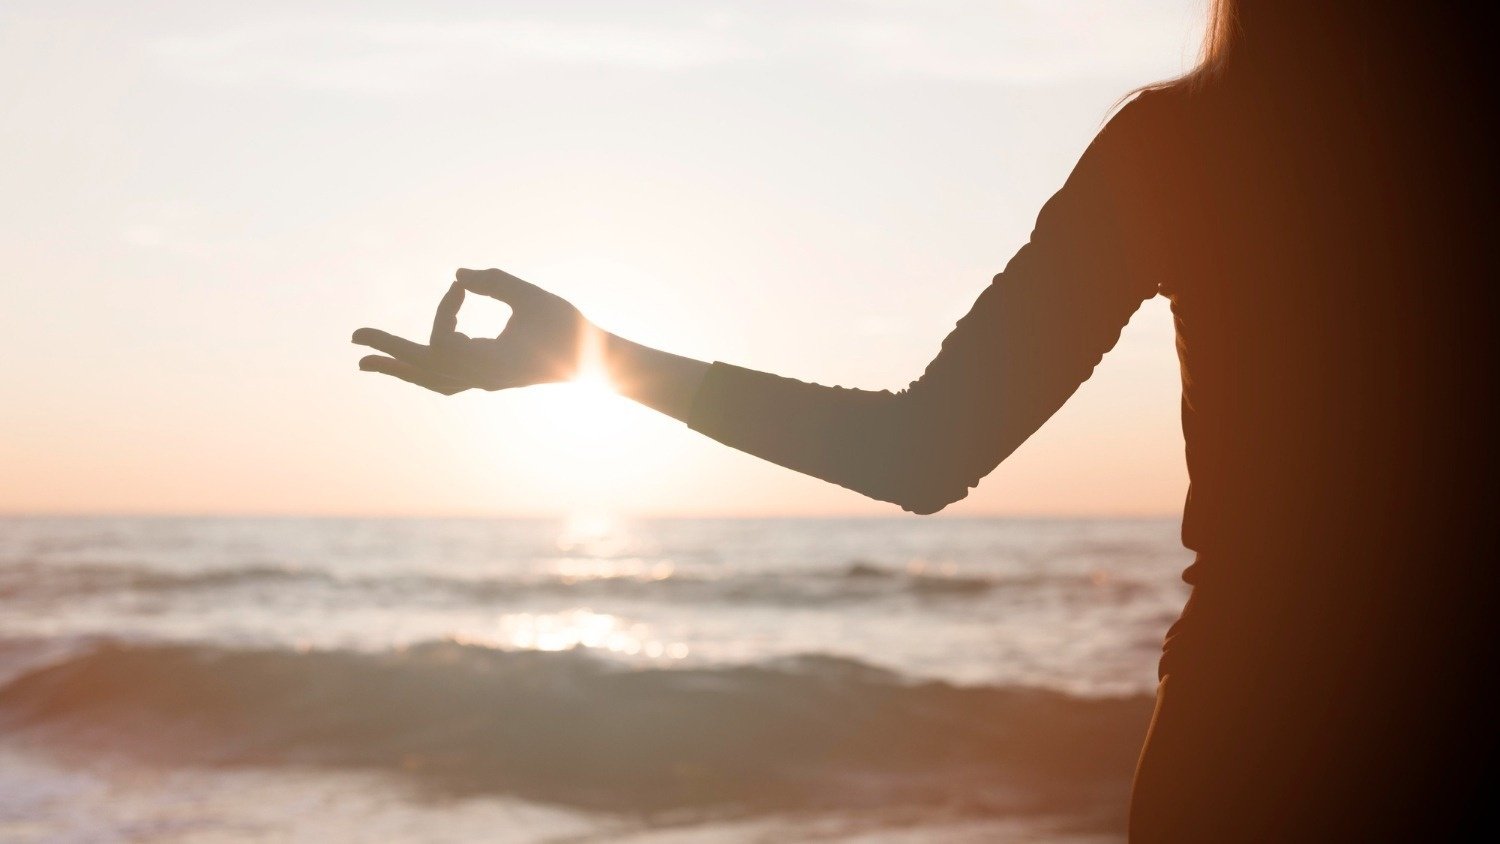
(202, 201)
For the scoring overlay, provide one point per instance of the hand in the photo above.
(539, 345)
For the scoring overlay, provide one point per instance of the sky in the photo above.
(200, 201)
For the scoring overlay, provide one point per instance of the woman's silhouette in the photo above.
(1314, 201)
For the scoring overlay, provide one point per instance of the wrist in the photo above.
(660, 380)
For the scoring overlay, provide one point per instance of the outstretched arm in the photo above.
(1030, 339)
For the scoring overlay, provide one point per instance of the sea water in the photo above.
(582, 679)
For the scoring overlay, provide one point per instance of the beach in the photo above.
(583, 679)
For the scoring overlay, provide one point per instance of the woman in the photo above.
(1310, 200)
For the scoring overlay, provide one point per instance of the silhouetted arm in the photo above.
(1030, 339)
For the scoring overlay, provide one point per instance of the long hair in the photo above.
(1213, 53)
(1307, 42)
(1218, 39)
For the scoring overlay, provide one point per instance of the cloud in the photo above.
(409, 57)
(1015, 42)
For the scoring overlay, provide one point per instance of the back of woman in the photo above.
(1321, 195)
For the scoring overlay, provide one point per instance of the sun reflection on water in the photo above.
(593, 532)
(574, 569)
(575, 628)
(599, 543)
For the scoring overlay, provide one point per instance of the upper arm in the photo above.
(1042, 325)
(1030, 339)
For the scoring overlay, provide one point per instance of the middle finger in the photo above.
(397, 347)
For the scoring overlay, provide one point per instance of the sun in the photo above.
(588, 407)
(596, 446)
(580, 446)
(593, 371)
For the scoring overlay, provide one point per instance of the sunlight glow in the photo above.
(576, 628)
(594, 532)
(571, 570)
(592, 373)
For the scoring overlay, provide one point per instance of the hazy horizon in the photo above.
(621, 515)
(213, 196)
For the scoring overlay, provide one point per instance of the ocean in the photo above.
(584, 679)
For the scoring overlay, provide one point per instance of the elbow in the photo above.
(921, 482)
(907, 479)
(925, 508)
(925, 502)
(919, 455)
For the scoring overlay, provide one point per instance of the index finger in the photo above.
(496, 284)
(445, 321)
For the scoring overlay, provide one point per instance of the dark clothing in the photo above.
(1325, 259)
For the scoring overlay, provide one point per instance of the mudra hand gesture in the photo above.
(539, 345)
(543, 343)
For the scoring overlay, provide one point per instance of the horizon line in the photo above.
(656, 516)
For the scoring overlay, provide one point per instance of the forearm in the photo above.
(894, 447)
(659, 380)
(863, 440)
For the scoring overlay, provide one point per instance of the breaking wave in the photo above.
(570, 728)
(858, 581)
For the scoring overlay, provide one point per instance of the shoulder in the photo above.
(1154, 113)
(1146, 134)
(1130, 163)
